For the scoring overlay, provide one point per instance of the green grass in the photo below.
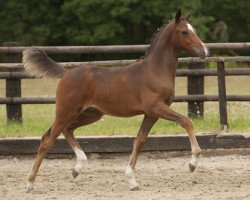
(38, 118)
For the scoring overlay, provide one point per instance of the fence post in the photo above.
(13, 86)
(195, 85)
(222, 95)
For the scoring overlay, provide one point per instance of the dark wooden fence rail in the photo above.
(117, 48)
(13, 73)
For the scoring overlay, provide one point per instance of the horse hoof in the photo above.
(191, 167)
(30, 188)
(74, 173)
(134, 188)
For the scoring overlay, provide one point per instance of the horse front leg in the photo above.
(139, 141)
(161, 110)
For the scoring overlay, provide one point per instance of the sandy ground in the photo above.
(161, 175)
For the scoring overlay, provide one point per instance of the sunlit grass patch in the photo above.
(38, 118)
(122, 126)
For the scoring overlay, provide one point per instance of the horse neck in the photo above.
(163, 59)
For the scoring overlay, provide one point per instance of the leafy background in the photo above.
(97, 22)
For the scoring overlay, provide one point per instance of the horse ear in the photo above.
(188, 16)
(178, 16)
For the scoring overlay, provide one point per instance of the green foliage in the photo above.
(231, 18)
(88, 22)
(30, 22)
(117, 22)
(97, 22)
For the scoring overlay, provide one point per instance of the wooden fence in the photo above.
(12, 71)
(124, 144)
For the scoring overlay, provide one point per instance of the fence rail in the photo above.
(121, 144)
(13, 73)
(179, 73)
(126, 62)
(117, 48)
(180, 98)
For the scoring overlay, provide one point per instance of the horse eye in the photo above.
(184, 33)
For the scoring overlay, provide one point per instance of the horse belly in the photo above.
(118, 104)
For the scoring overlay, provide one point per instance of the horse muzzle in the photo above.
(202, 52)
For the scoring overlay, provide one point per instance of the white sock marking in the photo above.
(194, 161)
(131, 177)
(30, 187)
(81, 159)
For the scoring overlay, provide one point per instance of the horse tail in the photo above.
(37, 63)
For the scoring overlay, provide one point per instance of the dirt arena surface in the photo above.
(161, 175)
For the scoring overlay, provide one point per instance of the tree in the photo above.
(31, 22)
(123, 21)
(231, 20)
(77, 22)
(96, 22)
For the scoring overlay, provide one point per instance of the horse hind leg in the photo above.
(47, 141)
(80, 155)
(85, 118)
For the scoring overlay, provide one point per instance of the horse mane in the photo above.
(154, 40)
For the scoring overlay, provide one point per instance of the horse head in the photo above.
(184, 36)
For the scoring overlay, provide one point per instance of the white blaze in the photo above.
(205, 49)
(190, 27)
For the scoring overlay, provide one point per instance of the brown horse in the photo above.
(85, 94)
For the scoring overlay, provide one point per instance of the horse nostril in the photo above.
(201, 52)
(202, 55)
(204, 49)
